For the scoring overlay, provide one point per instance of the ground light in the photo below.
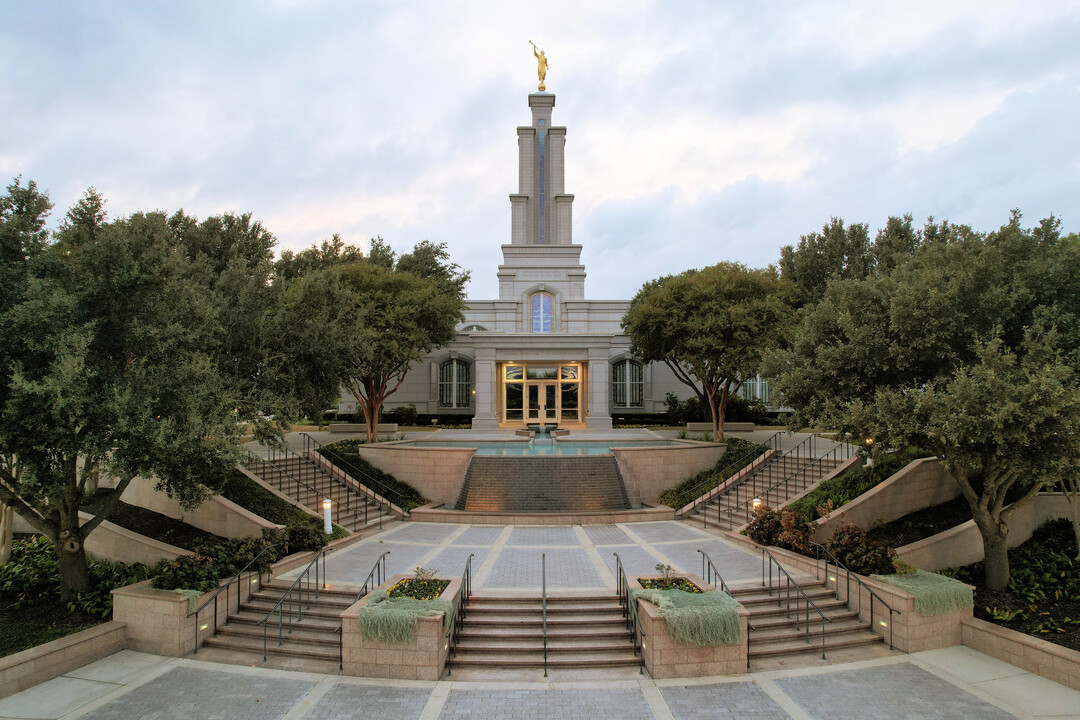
(327, 525)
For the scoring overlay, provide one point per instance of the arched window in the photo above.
(474, 328)
(455, 386)
(627, 384)
(541, 312)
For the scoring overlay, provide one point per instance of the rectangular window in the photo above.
(464, 386)
(515, 372)
(636, 384)
(446, 385)
(568, 372)
(515, 401)
(540, 373)
(618, 385)
(569, 401)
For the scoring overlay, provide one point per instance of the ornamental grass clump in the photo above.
(393, 620)
(934, 594)
(705, 619)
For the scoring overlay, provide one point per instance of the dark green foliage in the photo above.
(344, 454)
(739, 454)
(742, 410)
(859, 554)
(404, 416)
(796, 532)
(215, 561)
(764, 527)
(842, 490)
(305, 531)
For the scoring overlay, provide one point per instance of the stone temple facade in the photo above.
(541, 352)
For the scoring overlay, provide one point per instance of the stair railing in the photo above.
(375, 578)
(225, 589)
(787, 583)
(710, 573)
(378, 491)
(275, 476)
(629, 608)
(298, 588)
(353, 498)
(543, 595)
(756, 480)
(461, 605)
(839, 454)
(822, 553)
(732, 467)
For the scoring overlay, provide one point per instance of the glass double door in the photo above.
(541, 401)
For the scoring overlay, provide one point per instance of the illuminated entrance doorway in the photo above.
(548, 393)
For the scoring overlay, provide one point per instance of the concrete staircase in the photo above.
(774, 483)
(585, 631)
(314, 643)
(307, 483)
(543, 484)
(774, 634)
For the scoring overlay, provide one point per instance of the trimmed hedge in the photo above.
(344, 453)
(739, 454)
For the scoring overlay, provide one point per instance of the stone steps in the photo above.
(543, 484)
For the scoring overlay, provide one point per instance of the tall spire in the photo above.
(541, 209)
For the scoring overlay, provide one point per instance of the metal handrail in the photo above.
(225, 589)
(789, 583)
(461, 605)
(849, 452)
(709, 571)
(543, 595)
(385, 492)
(375, 577)
(299, 588)
(818, 550)
(264, 463)
(730, 469)
(629, 606)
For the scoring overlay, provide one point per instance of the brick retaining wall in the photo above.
(36, 665)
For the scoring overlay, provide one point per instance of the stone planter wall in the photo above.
(723, 487)
(909, 631)
(423, 659)
(109, 541)
(157, 620)
(666, 657)
(648, 471)
(1045, 659)
(52, 659)
(215, 515)
(437, 473)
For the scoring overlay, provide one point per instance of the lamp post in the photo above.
(327, 525)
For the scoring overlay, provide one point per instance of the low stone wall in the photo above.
(215, 515)
(962, 545)
(728, 427)
(334, 471)
(723, 487)
(666, 657)
(158, 622)
(430, 513)
(437, 473)
(362, 428)
(907, 631)
(36, 665)
(423, 659)
(920, 484)
(1042, 658)
(648, 471)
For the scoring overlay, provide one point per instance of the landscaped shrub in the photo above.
(705, 619)
(393, 620)
(401, 415)
(850, 546)
(213, 562)
(796, 532)
(853, 483)
(344, 453)
(933, 594)
(765, 526)
(738, 455)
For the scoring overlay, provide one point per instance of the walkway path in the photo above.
(953, 683)
(507, 557)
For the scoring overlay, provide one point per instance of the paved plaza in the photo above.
(953, 683)
(507, 558)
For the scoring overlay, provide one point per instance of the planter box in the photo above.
(37, 664)
(666, 657)
(1042, 658)
(909, 631)
(423, 659)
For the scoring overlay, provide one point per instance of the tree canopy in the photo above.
(712, 327)
(970, 348)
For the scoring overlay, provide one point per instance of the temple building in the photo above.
(542, 351)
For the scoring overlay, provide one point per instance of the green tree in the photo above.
(969, 349)
(291, 265)
(107, 370)
(712, 327)
(836, 252)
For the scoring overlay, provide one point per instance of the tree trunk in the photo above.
(717, 421)
(7, 526)
(71, 553)
(996, 560)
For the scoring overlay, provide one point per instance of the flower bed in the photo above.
(418, 589)
(660, 583)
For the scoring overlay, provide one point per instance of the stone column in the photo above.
(599, 378)
(485, 392)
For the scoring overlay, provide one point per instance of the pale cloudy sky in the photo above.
(697, 131)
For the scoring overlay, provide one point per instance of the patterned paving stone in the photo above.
(430, 533)
(451, 561)
(343, 702)
(479, 535)
(184, 693)
(353, 565)
(636, 560)
(725, 701)
(890, 692)
(733, 564)
(654, 532)
(606, 535)
(566, 567)
(546, 705)
(561, 535)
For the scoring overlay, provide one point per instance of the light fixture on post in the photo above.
(869, 449)
(327, 525)
(756, 502)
